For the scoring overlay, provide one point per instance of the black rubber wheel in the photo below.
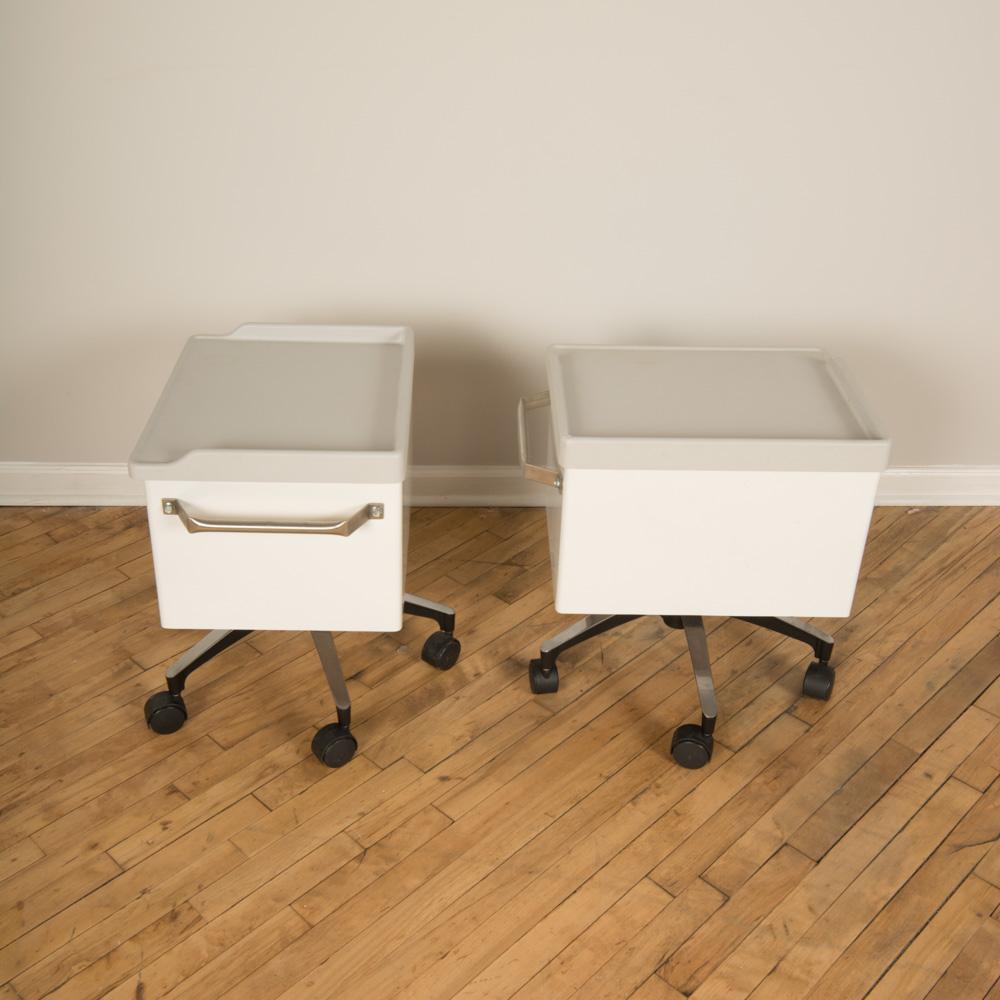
(691, 747)
(165, 712)
(334, 745)
(441, 650)
(542, 682)
(818, 681)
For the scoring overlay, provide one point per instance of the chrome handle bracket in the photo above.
(536, 473)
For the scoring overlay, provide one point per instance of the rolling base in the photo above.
(691, 745)
(333, 744)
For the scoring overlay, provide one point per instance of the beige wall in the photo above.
(500, 176)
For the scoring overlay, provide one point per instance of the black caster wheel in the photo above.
(542, 682)
(818, 681)
(165, 712)
(334, 745)
(441, 650)
(691, 747)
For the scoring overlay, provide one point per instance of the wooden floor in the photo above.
(485, 842)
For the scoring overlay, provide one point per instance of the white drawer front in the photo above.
(711, 543)
(237, 579)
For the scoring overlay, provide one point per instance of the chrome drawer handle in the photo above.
(370, 512)
(537, 473)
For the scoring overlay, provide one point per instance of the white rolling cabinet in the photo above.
(274, 465)
(691, 482)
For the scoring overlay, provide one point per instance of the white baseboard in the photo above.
(108, 484)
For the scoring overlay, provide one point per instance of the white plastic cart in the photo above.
(274, 464)
(690, 482)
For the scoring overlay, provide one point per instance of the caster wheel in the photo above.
(334, 745)
(818, 681)
(541, 682)
(691, 747)
(165, 712)
(441, 650)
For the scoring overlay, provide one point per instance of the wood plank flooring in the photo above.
(487, 843)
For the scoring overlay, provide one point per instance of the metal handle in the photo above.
(370, 512)
(538, 473)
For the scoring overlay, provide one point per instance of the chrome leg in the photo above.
(199, 654)
(422, 607)
(694, 631)
(543, 673)
(327, 650)
(585, 628)
(692, 745)
(795, 628)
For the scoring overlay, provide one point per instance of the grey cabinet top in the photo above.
(708, 408)
(284, 403)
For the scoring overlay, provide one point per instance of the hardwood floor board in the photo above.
(324, 804)
(989, 700)
(217, 935)
(819, 947)
(300, 861)
(462, 849)
(214, 769)
(124, 801)
(655, 988)
(367, 866)
(68, 956)
(524, 549)
(195, 811)
(560, 975)
(863, 962)
(503, 898)
(486, 842)
(625, 971)
(111, 690)
(50, 576)
(110, 607)
(126, 902)
(17, 857)
(33, 778)
(20, 573)
(90, 517)
(916, 971)
(982, 767)
(425, 579)
(438, 781)
(898, 690)
(38, 606)
(854, 798)
(79, 657)
(886, 540)
(754, 959)
(35, 809)
(924, 726)
(374, 728)
(989, 867)
(689, 966)
(647, 672)
(976, 968)
(63, 882)
(476, 678)
(779, 688)
(237, 964)
(95, 980)
(16, 641)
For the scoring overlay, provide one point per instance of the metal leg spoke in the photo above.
(422, 607)
(694, 631)
(795, 628)
(199, 654)
(327, 650)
